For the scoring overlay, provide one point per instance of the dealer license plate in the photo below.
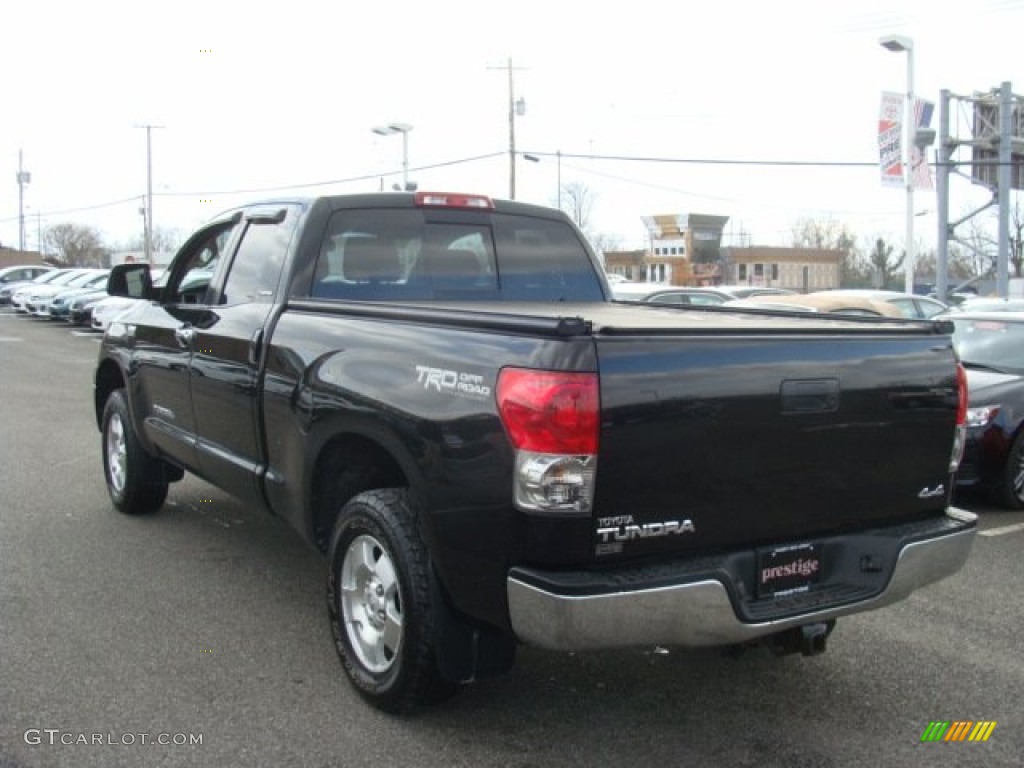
(788, 570)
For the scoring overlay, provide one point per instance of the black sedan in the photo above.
(991, 346)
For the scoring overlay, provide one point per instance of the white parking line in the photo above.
(1003, 530)
(10, 338)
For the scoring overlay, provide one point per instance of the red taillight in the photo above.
(451, 200)
(549, 412)
(961, 392)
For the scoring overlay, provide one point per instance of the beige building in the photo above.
(798, 269)
(685, 249)
(12, 257)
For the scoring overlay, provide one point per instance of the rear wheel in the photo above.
(1010, 491)
(379, 603)
(136, 481)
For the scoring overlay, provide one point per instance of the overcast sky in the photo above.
(253, 95)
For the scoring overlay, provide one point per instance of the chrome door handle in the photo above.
(184, 336)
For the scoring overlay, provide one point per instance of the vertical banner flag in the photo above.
(921, 172)
(890, 142)
(890, 139)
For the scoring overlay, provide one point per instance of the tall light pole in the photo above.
(558, 190)
(558, 153)
(148, 224)
(904, 44)
(24, 177)
(402, 128)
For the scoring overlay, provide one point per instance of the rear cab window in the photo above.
(418, 255)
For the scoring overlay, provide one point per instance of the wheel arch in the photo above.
(349, 462)
(109, 378)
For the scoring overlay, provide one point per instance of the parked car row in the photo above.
(36, 297)
(845, 302)
(656, 293)
(875, 303)
(76, 295)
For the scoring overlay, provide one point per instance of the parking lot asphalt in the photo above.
(206, 621)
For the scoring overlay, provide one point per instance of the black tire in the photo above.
(136, 481)
(379, 603)
(1010, 490)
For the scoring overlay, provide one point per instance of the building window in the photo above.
(775, 272)
(742, 272)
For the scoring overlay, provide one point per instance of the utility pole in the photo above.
(148, 224)
(515, 107)
(558, 154)
(1003, 184)
(945, 157)
(995, 137)
(24, 177)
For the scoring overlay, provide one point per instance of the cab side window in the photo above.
(190, 280)
(196, 282)
(256, 267)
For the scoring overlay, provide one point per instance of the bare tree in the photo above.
(822, 233)
(829, 234)
(981, 248)
(166, 240)
(885, 268)
(578, 200)
(602, 243)
(76, 245)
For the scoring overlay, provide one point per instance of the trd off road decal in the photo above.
(457, 383)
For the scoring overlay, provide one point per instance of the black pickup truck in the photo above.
(439, 394)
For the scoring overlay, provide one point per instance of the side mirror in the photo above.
(132, 281)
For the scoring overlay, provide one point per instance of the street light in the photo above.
(402, 128)
(558, 191)
(24, 177)
(904, 44)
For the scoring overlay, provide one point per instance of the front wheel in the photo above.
(379, 604)
(1010, 491)
(136, 481)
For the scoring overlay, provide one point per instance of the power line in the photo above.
(488, 156)
(66, 211)
(257, 190)
(349, 180)
(714, 160)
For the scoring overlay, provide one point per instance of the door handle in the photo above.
(255, 343)
(184, 336)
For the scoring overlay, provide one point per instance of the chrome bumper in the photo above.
(701, 613)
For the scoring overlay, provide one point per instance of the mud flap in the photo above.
(464, 652)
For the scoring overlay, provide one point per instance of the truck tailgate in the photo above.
(712, 442)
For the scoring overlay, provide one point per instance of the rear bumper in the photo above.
(709, 602)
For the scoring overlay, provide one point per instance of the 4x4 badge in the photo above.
(931, 493)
